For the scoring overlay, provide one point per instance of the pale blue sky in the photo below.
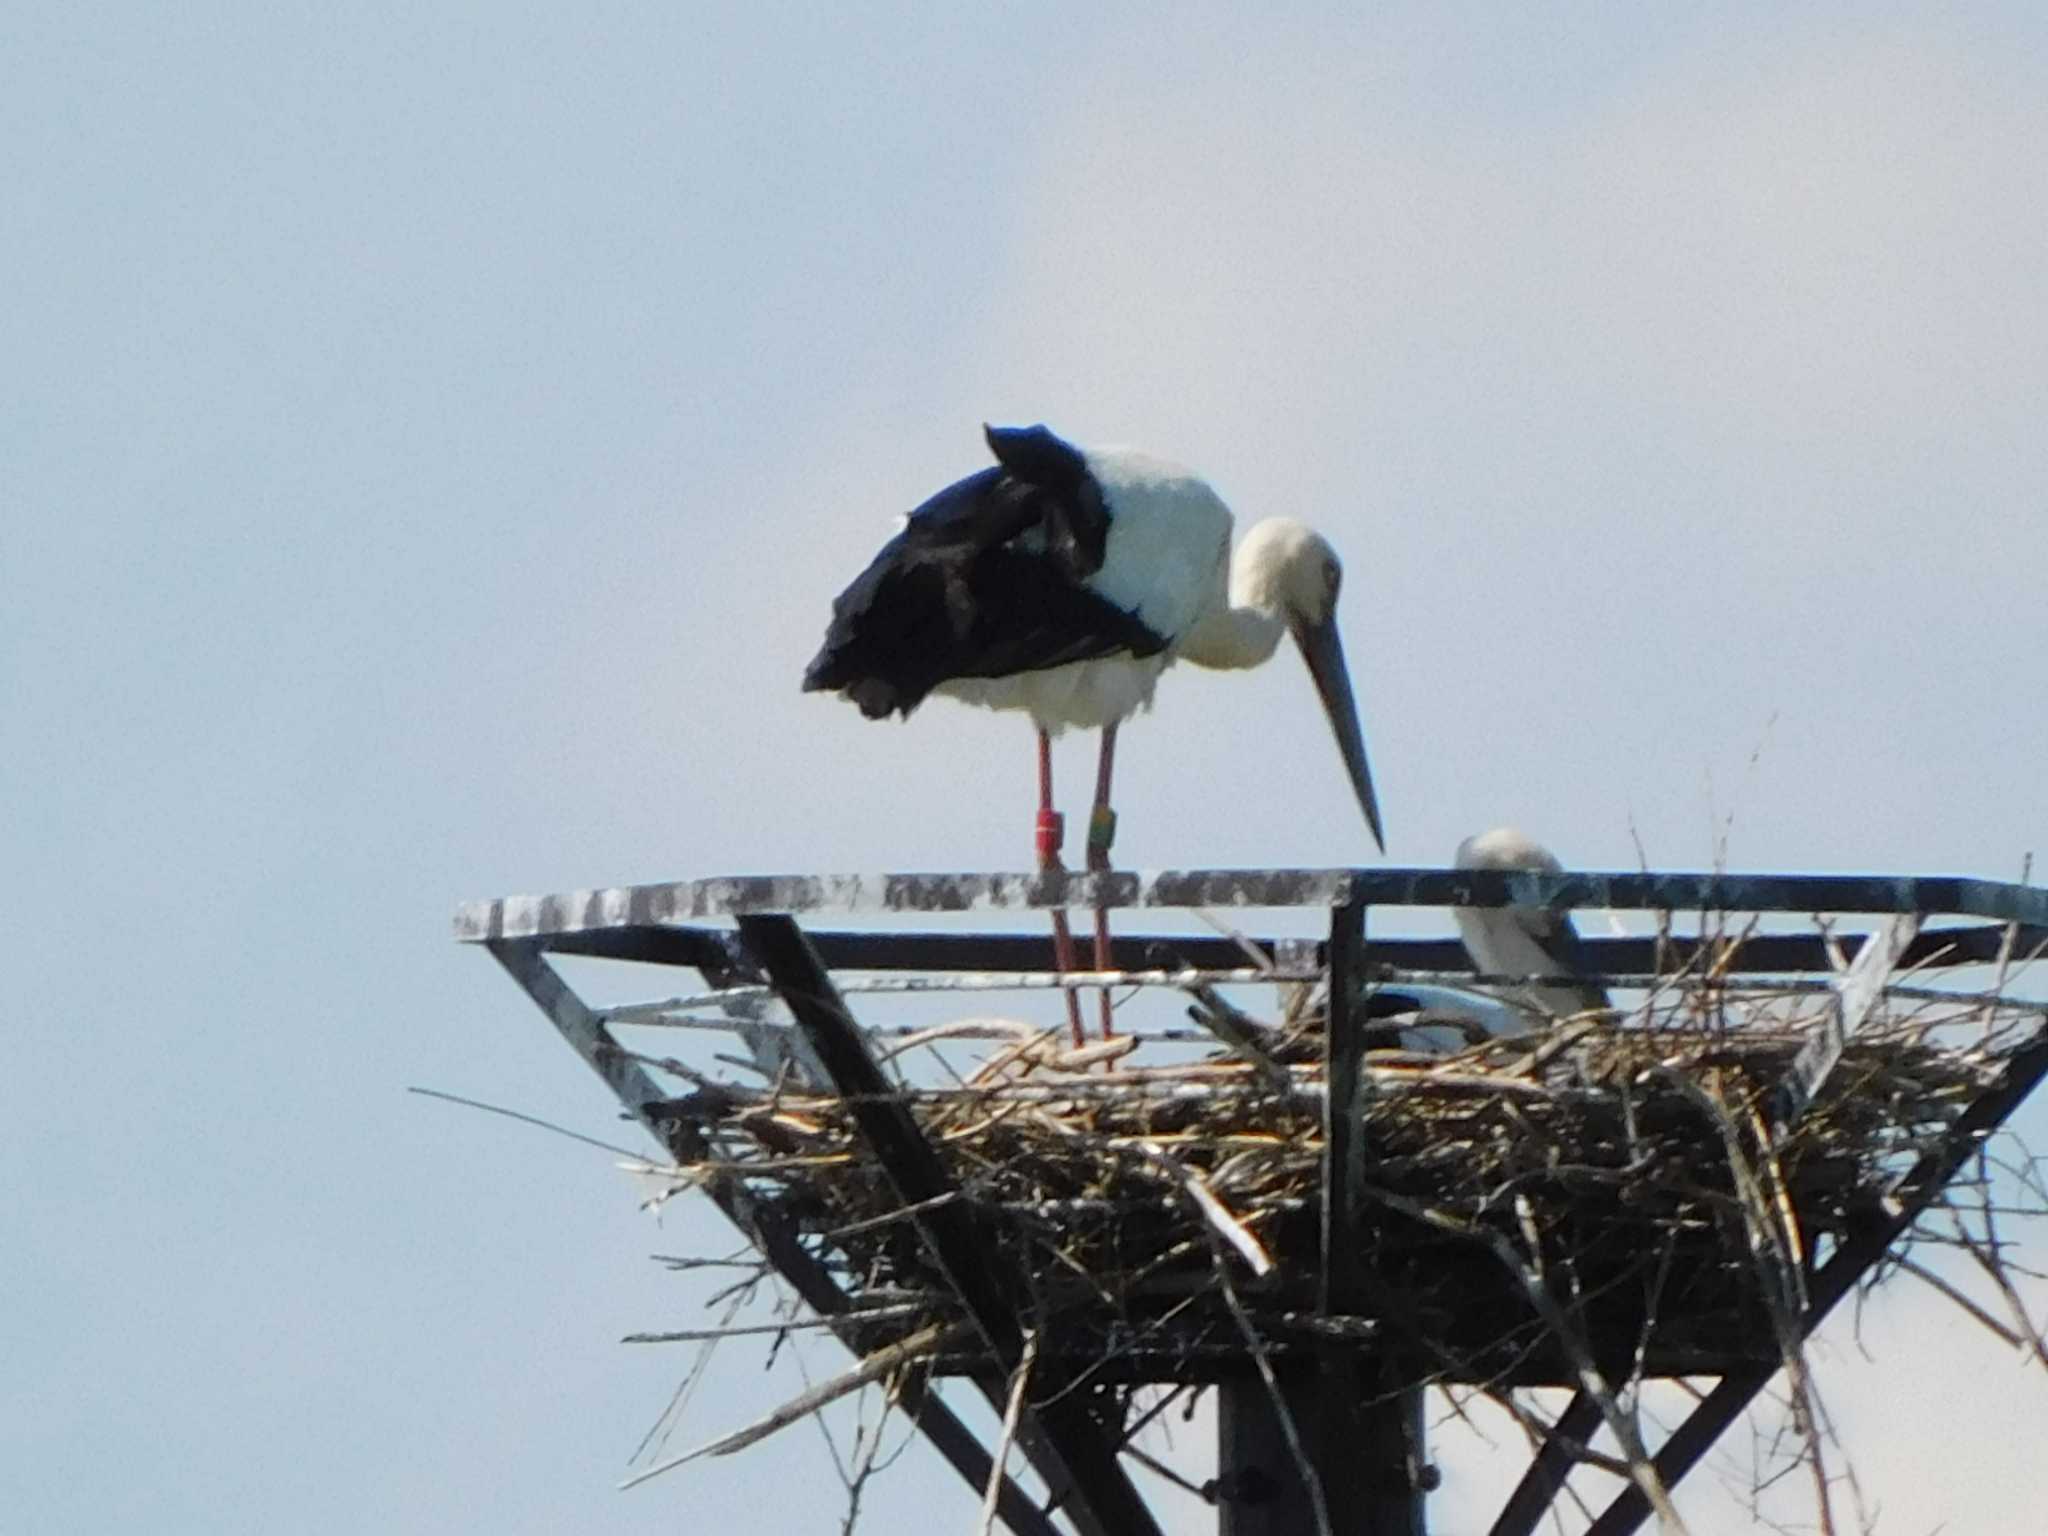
(432, 438)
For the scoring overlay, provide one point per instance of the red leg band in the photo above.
(1052, 831)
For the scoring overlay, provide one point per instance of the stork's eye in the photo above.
(1333, 578)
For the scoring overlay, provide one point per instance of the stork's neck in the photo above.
(1241, 635)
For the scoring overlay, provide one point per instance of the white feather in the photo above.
(1087, 694)
(1166, 559)
(1521, 941)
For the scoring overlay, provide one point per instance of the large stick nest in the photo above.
(1611, 1192)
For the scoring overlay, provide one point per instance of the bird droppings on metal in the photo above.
(676, 903)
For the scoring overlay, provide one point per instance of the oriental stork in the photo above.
(1061, 582)
(1525, 941)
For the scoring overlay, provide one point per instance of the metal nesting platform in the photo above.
(743, 937)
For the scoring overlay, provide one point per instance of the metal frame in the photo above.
(669, 904)
(1078, 1451)
(1374, 1483)
(641, 1095)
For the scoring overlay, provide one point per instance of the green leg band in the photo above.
(1101, 832)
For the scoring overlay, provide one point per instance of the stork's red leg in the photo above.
(1101, 833)
(1050, 833)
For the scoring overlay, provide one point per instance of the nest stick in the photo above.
(1213, 1210)
(1239, 1033)
(787, 1325)
(1013, 1410)
(873, 1367)
(1641, 1470)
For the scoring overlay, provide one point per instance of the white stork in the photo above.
(1062, 582)
(1524, 941)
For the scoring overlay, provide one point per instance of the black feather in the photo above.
(987, 579)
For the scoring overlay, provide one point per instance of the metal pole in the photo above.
(1259, 1489)
(1336, 1420)
(1364, 1448)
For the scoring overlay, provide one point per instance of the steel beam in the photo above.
(1100, 1489)
(1026, 954)
(1915, 1190)
(1551, 1465)
(638, 1092)
(679, 902)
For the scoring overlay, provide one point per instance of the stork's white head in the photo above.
(1506, 848)
(1289, 570)
(1524, 941)
(1286, 569)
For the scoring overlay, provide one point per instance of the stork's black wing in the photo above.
(987, 579)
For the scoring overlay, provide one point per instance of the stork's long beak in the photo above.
(1324, 653)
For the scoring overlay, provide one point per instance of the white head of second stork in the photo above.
(1284, 578)
(1524, 941)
